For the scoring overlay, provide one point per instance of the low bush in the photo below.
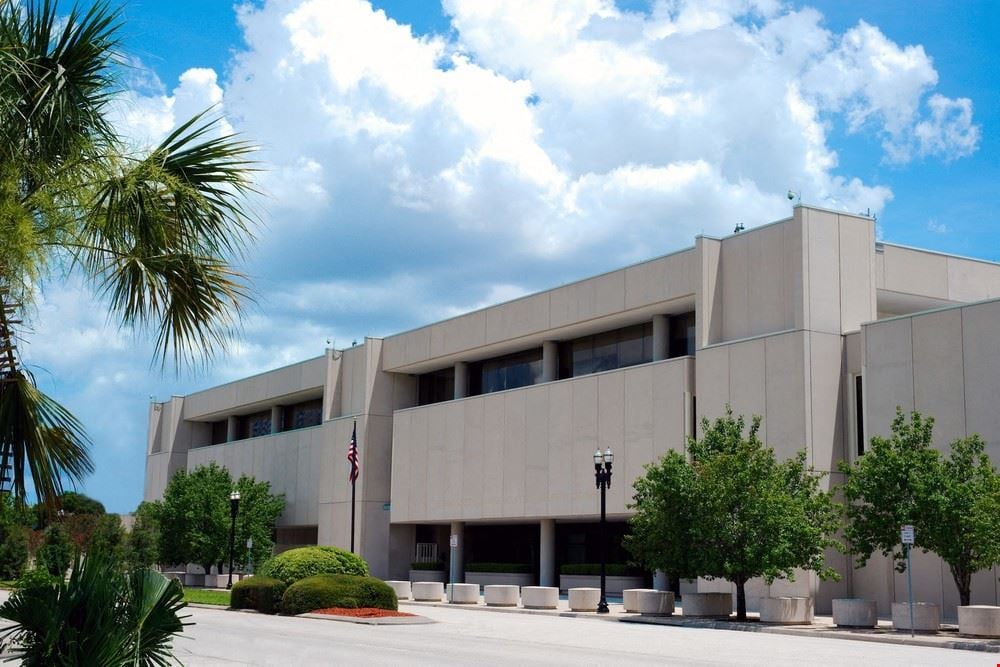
(260, 593)
(337, 590)
(594, 570)
(505, 568)
(35, 578)
(423, 565)
(295, 564)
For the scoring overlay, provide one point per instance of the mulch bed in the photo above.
(364, 612)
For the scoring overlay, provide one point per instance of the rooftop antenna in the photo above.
(794, 196)
(739, 228)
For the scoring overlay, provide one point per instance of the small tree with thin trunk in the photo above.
(733, 511)
(953, 503)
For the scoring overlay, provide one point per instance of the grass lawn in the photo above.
(206, 597)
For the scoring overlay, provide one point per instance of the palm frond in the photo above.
(38, 433)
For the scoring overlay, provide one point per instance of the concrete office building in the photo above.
(484, 425)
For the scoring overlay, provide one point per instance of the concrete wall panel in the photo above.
(980, 331)
(938, 373)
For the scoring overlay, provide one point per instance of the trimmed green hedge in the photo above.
(260, 593)
(594, 570)
(427, 566)
(337, 590)
(505, 568)
(296, 564)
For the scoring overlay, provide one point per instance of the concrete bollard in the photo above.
(707, 605)
(855, 613)
(630, 598)
(463, 593)
(584, 599)
(979, 620)
(427, 591)
(539, 597)
(655, 603)
(501, 595)
(786, 610)
(402, 589)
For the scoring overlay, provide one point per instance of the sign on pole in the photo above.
(453, 543)
(907, 534)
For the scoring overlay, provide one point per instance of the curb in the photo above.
(388, 620)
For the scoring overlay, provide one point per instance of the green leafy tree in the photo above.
(70, 503)
(56, 551)
(746, 513)
(952, 502)
(142, 543)
(108, 537)
(100, 616)
(194, 517)
(13, 548)
(660, 534)
(156, 233)
(258, 512)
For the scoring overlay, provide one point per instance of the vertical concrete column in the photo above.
(275, 419)
(457, 554)
(550, 361)
(661, 337)
(547, 553)
(461, 379)
(231, 427)
(660, 582)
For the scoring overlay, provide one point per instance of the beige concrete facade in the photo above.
(786, 316)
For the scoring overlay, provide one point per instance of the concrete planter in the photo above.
(584, 599)
(428, 575)
(613, 585)
(539, 597)
(500, 578)
(655, 603)
(220, 580)
(926, 616)
(501, 595)
(786, 610)
(427, 591)
(630, 598)
(463, 593)
(855, 613)
(979, 620)
(707, 605)
(402, 589)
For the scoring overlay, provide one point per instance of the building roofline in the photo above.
(939, 253)
(247, 377)
(929, 311)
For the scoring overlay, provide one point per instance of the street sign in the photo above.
(453, 543)
(907, 534)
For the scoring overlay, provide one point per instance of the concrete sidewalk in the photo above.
(822, 626)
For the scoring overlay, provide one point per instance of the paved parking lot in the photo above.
(466, 637)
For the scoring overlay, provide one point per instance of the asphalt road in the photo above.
(468, 637)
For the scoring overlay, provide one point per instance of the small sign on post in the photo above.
(907, 535)
(453, 543)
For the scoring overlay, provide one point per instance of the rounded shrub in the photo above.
(295, 564)
(35, 578)
(337, 590)
(260, 593)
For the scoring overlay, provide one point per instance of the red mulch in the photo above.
(364, 612)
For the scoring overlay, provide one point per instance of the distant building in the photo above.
(484, 425)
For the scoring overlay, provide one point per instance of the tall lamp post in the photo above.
(234, 508)
(602, 473)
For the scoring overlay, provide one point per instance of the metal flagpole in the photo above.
(354, 478)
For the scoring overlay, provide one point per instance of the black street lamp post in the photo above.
(234, 508)
(602, 473)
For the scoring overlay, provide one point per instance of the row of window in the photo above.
(296, 416)
(605, 351)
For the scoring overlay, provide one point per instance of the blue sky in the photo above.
(430, 160)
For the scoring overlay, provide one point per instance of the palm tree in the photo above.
(155, 235)
(100, 616)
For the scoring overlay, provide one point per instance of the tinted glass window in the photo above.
(606, 351)
(301, 415)
(509, 372)
(436, 387)
(681, 335)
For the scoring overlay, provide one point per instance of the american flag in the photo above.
(352, 455)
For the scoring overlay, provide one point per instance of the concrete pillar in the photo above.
(660, 581)
(461, 379)
(661, 337)
(550, 361)
(231, 427)
(276, 419)
(547, 554)
(457, 554)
